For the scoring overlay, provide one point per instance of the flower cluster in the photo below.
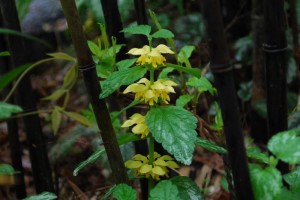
(150, 55)
(159, 168)
(140, 128)
(151, 94)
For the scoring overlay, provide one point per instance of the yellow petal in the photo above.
(128, 123)
(145, 169)
(140, 128)
(158, 86)
(142, 51)
(149, 94)
(172, 164)
(138, 118)
(164, 49)
(167, 157)
(160, 162)
(169, 83)
(134, 88)
(144, 80)
(131, 164)
(158, 170)
(156, 155)
(141, 158)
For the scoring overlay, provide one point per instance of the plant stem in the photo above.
(29, 113)
(151, 75)
(151, 160)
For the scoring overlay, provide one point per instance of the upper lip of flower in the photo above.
(151, 55)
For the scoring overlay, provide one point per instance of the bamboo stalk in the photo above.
(141, 17)
(275, 62)
(223, 73)
(37, 147)
(87, 67)
(114, 25)
(258, 123)
(13, 134)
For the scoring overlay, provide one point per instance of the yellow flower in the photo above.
(151, 94)
(140, 128)
(140, 165)
(151, 56)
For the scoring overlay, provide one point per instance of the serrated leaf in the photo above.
(6, 169)
(193, 71)
(78, 117)
(185, 52)
(56, 117)
(164, 190)
(174, 127)
(124, 192)
(124, 139)
(187, 189)
(70, 77)
(56, 94)
(164, 73)
(139, 29)
(63, 56)
(119, 78)
(293, 178)
(4, 53)
(266, 183)
(42, 196)
(183, 100)
(8, 77)
(255, 153)
(286, 146)
(208, 145)
(125, 64)
(202, 84)
(94, 48)
(162, 33)
(6, 110)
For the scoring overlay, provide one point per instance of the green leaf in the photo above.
(108, 193)
(8, 77)
(139, 29)
(255, 153)
(286, 146)
(56, 117)
(124, 139)
(164, 190)
(174, 127)
(224, 184)
(94, 48)
(56, 95)
(193, 71)
(42, 196)
(266, 183)
(119, 78)
(4, 53)
(183, 100)
(217, 124)
(70, 77)
(293, 178)
(245, 91)
(63, 56)
(124, 192)
(6, 169)
(164, 73)
(25, 35)
(6, 110)
(187, 189)
(208, 145)
(162, 33)
(125, 64)
(185, 53)
(90, 160)
(78, 117)
(203, 85)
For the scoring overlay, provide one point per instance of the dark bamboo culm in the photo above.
(223, 73)
(13, 132)
(36, 144)
(275, 46)
(258, 123)
(88, 70)
(141, 16)
(296, 47)
(114, 24)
